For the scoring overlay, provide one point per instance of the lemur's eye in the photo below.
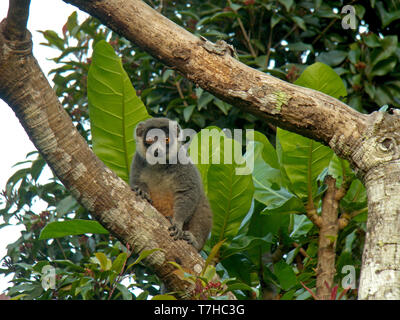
(167, 140)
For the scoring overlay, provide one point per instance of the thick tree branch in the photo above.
(370, 142)
(17, 18)
(211, 66)
(132, 220)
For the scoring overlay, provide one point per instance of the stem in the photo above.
(245, 35)
(61, 248)
(327, 241)
(178, 87)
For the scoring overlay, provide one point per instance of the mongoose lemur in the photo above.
(162, 173)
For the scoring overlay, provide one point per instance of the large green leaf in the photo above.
(323, 78)
(229, 193)
(58, 229)
(268, 179)
(203, 147)
(114, 110)
(230, 198)
(303, 160)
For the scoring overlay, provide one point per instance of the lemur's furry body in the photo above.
(175, 190)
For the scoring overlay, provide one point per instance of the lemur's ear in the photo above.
(139, 131)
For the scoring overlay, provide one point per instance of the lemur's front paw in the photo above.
(143, 194)
(190, 238)
(175, 232)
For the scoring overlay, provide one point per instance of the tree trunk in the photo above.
(109, 199)
(380, 272)
(369, 142)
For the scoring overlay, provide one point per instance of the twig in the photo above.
(245, 35)
(61, 248)
(285, 36)
(118, 278)
(178, 87)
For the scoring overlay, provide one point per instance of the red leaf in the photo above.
(309, 290)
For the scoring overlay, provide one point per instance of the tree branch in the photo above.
(302, 110)
(109, 199)
(328, 234)
(17, 18)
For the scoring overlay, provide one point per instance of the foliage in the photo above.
(114, 110)
(270, 244)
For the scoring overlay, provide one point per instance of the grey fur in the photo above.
(188, 208)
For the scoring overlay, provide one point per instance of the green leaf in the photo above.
(285, 274)
(144, 254)
(356, 197)
(104, 262)
(360, 11)
(388, 47)
(261, 224)
(167, 74)
(321, 77)
(72, 22)
(53, 39)
(214, 252)
(268, 178)
(204, 99)
(114, 110)
(372, 40)
(287, 3)
(384, 67)
(387, 17)
(300, 22)
(119, 261)
(187, 112)
(224, 107)
(238, 286)
(229, 193)
(339, 167)
(209, 273)
(332, 58)
(275, 19)
(70, 265)
(202, 152)
(126, 294)
(303, 160)
(66, 205)
(300, 46)
(302, 225)
(354, 53)
(245, 243)
(58, 229)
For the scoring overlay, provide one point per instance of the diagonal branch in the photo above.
(109, 199)
(301, 110)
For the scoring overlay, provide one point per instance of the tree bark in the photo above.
(369, 142)
(380, 272)
(107, 197)
(212, 67)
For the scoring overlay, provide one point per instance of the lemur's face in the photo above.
(158, 140)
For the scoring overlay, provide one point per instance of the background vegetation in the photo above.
(271, 248)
